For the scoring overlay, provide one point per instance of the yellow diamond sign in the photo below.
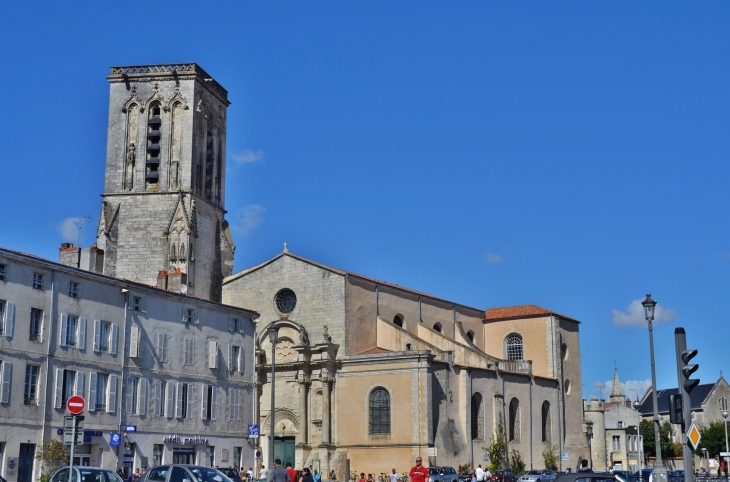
(693, 436)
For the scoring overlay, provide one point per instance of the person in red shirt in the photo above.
(419, 473)
(292, 473)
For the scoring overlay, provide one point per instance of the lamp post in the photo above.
(659, 472)
(273, 335)
(589, 436)
(724, 415)
(639, 440)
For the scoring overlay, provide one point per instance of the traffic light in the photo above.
(675, 409)
(688, 369)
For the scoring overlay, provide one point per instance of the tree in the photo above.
(646, 427)
(713, 439)
(550, 457)
(54, 455)
(497, 450)
(516, 462)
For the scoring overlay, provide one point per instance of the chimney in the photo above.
(68, 255)
(162, 280)
(175, 279)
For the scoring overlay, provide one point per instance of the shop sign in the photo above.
(115, 439)
(253, 431)
(176, 439)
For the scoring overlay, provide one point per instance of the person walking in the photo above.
(480, 474)
(333, 476)
(306, 476)
(584, 466)
(317, 476)
(362, 477)
(136, 475)
(393, 477)
(278, 474)
(263, 471)
(419, 473)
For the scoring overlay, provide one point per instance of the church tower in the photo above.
(162, 217)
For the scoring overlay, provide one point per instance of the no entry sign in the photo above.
(76, 404)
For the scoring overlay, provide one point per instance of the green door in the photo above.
(284, 450)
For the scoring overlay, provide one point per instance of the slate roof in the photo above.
(697, 398)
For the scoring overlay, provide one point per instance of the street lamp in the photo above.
(273, 336)
(589, 436)
(660, 473)
(724, 415)
(639, 444)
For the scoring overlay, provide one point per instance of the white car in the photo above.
(537, 476)
(86, 474)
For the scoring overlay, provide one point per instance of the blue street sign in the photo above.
(130, 428)
(115, 439)
(253, 431)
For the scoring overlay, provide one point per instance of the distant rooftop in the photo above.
(521, 311)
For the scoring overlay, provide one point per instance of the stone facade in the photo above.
(164, 189)
(349, 337)
(170, 364)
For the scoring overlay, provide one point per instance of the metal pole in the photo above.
(659, 470)
(271, 415)
(73, 444)
(726, 449)
(680, 341)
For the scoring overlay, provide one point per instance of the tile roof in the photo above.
(521, 311)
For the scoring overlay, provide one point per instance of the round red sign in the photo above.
(76, 404)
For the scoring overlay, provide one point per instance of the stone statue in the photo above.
(129, 168)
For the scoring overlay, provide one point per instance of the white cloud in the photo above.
(69, 230)
(248, 156)
(632, 389)
(493, 258)
(634, 315)
(249, 218)
(723, 254)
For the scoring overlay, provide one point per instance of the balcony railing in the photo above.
(516, 366)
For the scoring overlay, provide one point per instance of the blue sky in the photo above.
(571, 155)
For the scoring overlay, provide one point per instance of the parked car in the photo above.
(231, 474)
(182, 473)
(645, 473)
(624, 474)
(537, 476)
(442, 474)
(86, 474)
(502, 476)
(465, 477)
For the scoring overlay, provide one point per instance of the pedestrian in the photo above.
(262, 471)
(306, 476)
(292, 473)
(241, 474)
(279, 474)
(136, 476)
(393, 477)
(249, 473)
(487, 474)
(584, 466)
(473, 476)
(120, 473)
(333, 476)
(370, 478)
(419, 473)
(480, 474)
(317, 476)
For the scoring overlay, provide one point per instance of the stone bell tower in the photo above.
(162, 217)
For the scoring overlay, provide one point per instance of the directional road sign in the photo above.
(76, 404)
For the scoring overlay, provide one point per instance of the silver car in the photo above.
(442, 474)
(86, 474)
(537, 476)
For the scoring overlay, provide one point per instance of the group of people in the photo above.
(290, 474)
(480, 475)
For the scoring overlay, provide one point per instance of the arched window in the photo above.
(398, 320)
(470, 335)
(546, 422)
(379, 411)
(514, 420)
(437, 327)
(477, 417)
(515, 348)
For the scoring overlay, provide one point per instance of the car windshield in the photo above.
(533, 472)
(433, 470)
(205, 474)
(87, 475)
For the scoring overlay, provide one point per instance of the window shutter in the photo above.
(231, 368)
(196, 318)
(9, 319)
(115, 338)
(142, 399)
(58, 398)
(161, 347)
(170, 402)
(178, 404)
(82, 334)
(2, 320)
(128, 396)
(134, 342)
(166, 346)
(79, 387)
(6, 374)
(213, 354)
(204, 411)
(97, 334)
(230, 324)
(241, 358)
(184, 314)
(191, 400)
(62, 336)
(214, 404)
(111, 404)
(237, 391)
(158, 398)
(92, 392)
(230, 403)
(143, 304)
